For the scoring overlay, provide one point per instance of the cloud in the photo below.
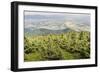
(32, 17)
(41, 13)
(55, 13)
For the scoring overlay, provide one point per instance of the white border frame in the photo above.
(22, 64)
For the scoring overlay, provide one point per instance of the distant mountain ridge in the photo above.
(54, 27)
(43, 31)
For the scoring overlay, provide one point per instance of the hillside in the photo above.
(66, 46)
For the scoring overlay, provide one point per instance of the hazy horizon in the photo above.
(54, 20)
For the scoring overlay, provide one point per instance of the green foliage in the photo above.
(66, 46)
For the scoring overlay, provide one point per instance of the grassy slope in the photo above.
(67, 46)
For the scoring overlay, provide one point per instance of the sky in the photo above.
(32, 17)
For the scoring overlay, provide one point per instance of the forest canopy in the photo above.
(66, 46)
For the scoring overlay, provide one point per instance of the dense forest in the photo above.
(66, 46)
